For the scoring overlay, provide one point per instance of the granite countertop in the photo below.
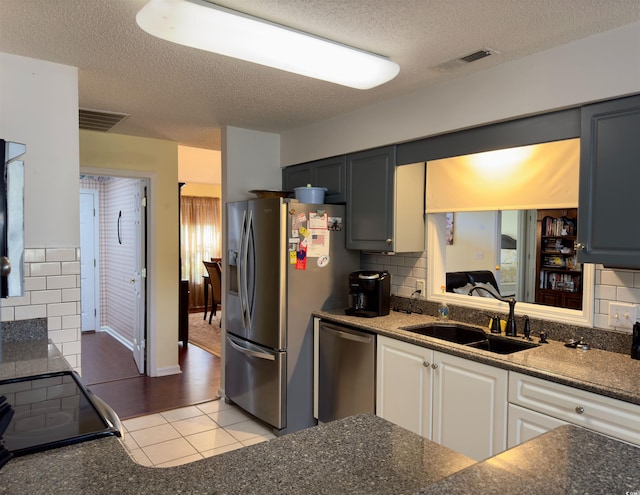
(603, 372)
(358, 455)
(31, 357)
(361, 454)
(567, 460)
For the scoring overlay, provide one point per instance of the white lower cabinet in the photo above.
(525, 424)
(552, 403)
(458, 403)
(403, 385)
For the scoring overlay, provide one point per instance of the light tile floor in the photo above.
(191, 433)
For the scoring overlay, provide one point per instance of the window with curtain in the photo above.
(201, 238)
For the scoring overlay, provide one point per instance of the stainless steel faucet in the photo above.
(510, 330)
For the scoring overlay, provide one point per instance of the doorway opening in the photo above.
(113, 247)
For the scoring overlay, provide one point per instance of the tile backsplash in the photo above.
(611, 285)
(51, 291)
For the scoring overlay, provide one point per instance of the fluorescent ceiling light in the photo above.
(202, 25)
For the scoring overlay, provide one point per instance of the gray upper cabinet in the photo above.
(370, 197)
(329, 172)
(385, 203)
(296, 176)
(608, 231)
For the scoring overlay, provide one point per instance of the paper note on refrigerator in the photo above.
(318, 243)
(318, 220)
(298, 221)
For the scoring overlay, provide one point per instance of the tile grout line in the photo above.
(194, 439)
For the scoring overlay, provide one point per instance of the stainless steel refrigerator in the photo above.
(284, 260)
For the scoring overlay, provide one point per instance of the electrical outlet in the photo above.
(622, 315)
(420, 287)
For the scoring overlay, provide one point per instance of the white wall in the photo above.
(595, 68)
(250, 160)
(39, 107)
(474, 242)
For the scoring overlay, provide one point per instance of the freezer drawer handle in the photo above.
(260, 355)
(345, 335)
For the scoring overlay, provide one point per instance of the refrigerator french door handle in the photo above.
(345, 335)
(242, 267)
(239, 264)
(248, 352)
(245, 287)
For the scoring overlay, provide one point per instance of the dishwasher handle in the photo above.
(339, 332)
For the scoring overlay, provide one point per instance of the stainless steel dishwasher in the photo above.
(346, 372)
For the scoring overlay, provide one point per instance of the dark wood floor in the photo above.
(109, 371)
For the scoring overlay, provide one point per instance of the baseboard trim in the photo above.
(117, 336)
(169, 370)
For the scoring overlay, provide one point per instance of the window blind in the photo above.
(527, 177)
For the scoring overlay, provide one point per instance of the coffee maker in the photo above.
(369, 293)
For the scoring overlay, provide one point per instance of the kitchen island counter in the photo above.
(361, 454)
(567, 460)
(358, 455)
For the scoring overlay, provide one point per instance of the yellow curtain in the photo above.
(201, 238)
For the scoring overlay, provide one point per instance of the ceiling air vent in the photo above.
(467, 59)
(98, 120)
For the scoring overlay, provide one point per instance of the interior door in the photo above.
(89, 259)
(139, 279)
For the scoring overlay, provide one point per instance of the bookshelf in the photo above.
(560, 276)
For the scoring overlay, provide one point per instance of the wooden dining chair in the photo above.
(206, 280)
(215, 279)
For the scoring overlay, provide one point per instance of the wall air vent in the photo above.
(467, 59)
(99, 120)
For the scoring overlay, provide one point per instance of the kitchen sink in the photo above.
(451, 332)
(503, 345)
(471, 337)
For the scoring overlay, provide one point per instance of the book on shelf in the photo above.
(562, 226)
(559, 281)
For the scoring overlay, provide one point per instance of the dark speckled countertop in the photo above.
(358, 455)
(602, 372)
(567, 460)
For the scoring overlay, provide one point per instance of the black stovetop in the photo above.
(53, 410)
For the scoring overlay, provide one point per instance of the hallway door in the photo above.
(89, 257)
(139, 279)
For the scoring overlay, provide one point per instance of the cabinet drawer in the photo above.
(612, 417)
(525, 424)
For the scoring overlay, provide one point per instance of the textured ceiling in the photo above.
(186, 95)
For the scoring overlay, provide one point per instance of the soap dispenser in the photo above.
(443, 309)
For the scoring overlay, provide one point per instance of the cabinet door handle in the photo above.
(579, 246)
(426, 364)
(579, 409)
(389, 241)
(434, 366)
(5, 266)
